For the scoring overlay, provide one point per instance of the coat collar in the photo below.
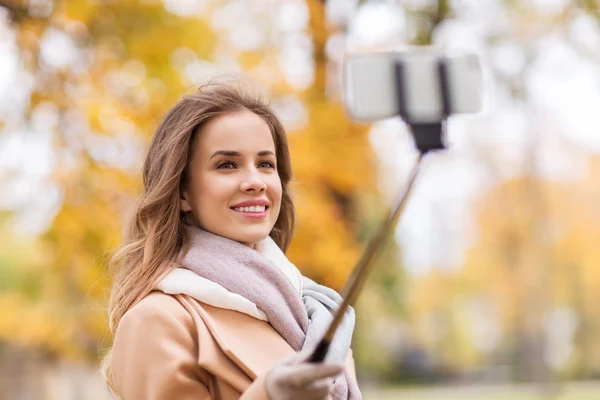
(249, 343)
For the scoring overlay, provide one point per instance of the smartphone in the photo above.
(421, 84)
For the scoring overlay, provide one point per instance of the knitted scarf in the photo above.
(300, 320)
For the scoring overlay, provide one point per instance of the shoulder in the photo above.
(157, 304)
(155, 351)
(155, 329)
(159, 313)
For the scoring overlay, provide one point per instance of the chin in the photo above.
(250, 236)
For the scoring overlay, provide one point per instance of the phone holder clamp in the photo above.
(428, 135)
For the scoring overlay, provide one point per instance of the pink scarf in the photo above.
(248, 273)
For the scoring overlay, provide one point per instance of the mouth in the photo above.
(252, 211)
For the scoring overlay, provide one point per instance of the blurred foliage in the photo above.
(536, 251)
(535, 262)
(523, 304)
(132, 63)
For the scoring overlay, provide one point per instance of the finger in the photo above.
(293, 359)
(304, 374)
(302, 356)
(319, 389)
(325, 385)
(297, 358)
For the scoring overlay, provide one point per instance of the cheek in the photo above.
(276, 191)
(211, 193)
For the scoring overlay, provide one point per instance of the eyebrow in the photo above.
(232, 153)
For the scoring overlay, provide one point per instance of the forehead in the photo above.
(242, 131)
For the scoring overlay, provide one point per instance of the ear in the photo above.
(184, 202)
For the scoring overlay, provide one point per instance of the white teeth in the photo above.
(256, 209)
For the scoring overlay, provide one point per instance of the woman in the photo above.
(205, 305)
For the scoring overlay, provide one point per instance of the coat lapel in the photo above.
(251, 344)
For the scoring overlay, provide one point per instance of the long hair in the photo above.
(154, 236)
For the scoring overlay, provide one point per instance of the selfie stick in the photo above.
(428, 136)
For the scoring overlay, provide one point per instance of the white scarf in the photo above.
(184, 281)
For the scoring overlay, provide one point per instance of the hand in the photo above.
(296, 379)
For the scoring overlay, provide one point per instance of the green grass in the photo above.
(567, 391)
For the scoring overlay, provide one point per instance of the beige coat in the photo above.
(174, 347)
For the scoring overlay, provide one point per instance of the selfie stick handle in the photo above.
(428, 136)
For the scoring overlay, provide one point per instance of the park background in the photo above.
(489, 286)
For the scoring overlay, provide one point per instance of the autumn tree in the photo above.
(127, 64)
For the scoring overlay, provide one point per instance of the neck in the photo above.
(251, 245)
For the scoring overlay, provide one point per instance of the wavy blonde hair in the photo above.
(155, 236)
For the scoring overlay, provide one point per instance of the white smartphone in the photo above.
(409, 83)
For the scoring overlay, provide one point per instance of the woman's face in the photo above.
(233, 189)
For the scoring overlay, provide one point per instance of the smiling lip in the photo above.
(249, 203)
(252, 214)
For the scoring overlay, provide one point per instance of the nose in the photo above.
(253, 182)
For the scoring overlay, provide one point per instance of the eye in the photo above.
(266, 164)
(226, 165)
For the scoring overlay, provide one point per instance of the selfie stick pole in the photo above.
(428, 136)
(363, 268)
